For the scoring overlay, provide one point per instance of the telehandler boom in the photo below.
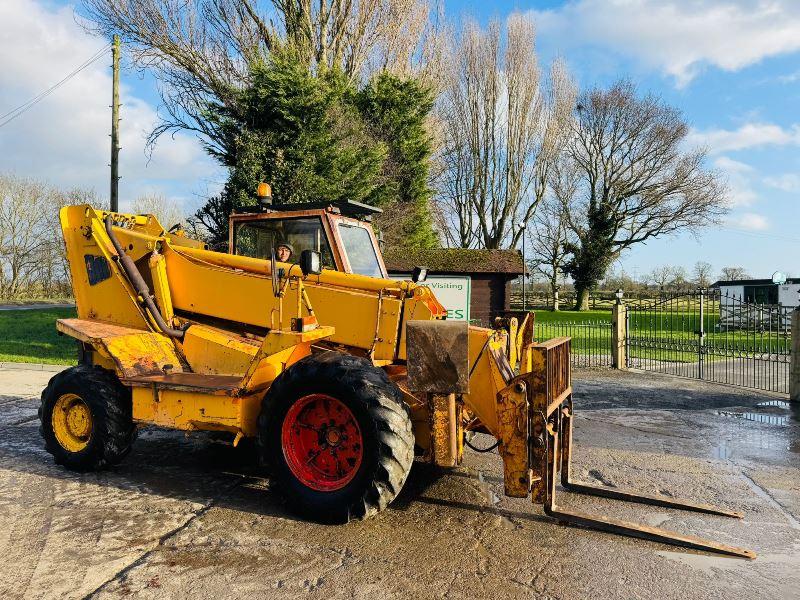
(342, 375)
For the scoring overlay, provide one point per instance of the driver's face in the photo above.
(283, 253)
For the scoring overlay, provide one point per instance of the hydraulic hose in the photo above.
(133, 275)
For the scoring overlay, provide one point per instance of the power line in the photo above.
(13, 114)
(759, 234)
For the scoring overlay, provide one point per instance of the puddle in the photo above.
(757, 417)
(722, 452)
(775, 403)
(706, 563)
(774, 412)
(710, 564)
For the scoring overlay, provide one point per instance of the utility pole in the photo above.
(115, 126)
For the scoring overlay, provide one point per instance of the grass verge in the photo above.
(30, 336)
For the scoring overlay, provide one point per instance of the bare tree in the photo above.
(550, 235)
(638, 183)
(660, 276)
(668, 277)
(167, 212)
(734, 274)
(32, 260)
(23, 235)
(702, 273)
(548, 239)
(502, 128)
(679, 279)
(201, 51)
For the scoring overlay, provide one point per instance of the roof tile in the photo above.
(455, 260)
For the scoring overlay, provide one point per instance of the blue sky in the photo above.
(732, 67)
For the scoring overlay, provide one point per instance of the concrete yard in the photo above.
(188, 517)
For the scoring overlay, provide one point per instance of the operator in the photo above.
(284, 251)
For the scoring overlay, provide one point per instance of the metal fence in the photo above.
(700, 334)
(591, 340)
(705, 335)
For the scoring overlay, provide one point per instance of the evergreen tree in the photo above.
(397, 110)
(316, 137)
(300, 132)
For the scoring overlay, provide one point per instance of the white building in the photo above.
(757, 304)
(761, 291)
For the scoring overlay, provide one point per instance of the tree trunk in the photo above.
(582, 298)
(554, 291)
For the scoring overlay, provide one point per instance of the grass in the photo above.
(30, 336)
(669, 336)
(572, 316)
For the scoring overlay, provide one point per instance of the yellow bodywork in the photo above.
(239, 338)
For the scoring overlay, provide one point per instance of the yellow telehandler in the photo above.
(342, 375)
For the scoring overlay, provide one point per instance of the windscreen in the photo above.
(257, 239)
(359, 250)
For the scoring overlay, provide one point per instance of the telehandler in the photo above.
(342, 375)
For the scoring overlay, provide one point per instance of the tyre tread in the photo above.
(383, 401)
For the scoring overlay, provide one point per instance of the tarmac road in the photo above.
(187, 517)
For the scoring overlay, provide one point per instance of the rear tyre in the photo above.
(86, 418)
(336, 436)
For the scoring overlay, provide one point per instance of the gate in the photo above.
(591, 340)
(705, 335)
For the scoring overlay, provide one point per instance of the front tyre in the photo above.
(86, 418)
(337, 437)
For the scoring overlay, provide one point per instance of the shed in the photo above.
(761, 291)
(757, 303)
(490, 273)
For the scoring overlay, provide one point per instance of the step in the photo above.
(190, 382)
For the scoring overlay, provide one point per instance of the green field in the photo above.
(590, 330)
(668, 336)
(30, 336)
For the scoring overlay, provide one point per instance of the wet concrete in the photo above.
(185, 516)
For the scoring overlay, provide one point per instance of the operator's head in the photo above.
(284, 251)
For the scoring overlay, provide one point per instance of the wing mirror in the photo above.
(419, 274)
(310, 262)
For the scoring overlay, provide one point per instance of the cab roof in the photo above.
(346, 208)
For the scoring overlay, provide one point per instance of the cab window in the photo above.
(258, 238)
(359, 250)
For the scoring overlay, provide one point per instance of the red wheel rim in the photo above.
(322, 442)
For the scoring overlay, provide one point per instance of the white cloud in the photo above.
(739, 178)
(678, 38)
(748, 136)
(788, 182)
(790, 78)
(750, 221)
(64, 139)
(732, 166)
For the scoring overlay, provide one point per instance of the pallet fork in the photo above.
(547, 393)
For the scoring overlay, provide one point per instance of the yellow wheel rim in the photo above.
(72, 422)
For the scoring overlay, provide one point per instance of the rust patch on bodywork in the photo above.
(135, 352)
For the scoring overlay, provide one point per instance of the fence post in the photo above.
(794, 367)
(619, 334)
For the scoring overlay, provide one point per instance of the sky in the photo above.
(732, 67)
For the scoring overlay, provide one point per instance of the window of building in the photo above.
(761, 294)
